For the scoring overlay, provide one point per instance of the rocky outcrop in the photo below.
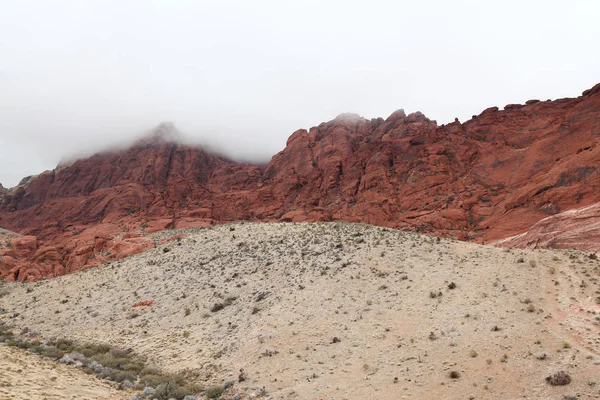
(489, 178)
(573, 229)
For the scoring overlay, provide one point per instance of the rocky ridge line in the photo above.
(484, 180)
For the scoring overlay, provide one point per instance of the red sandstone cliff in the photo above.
(489, 178)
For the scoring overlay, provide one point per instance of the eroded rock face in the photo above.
(573, 229)
(489, 178)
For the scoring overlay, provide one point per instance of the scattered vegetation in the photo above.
(111, 363)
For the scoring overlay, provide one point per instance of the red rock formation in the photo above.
(573, 229)
(489, 178)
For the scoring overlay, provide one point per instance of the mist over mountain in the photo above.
(241, 77)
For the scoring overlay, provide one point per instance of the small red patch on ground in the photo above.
(144, 303)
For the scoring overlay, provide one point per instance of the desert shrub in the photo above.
(64, 344)
(150, 371)
(90, 350)
(52, 352)
(26, 345)
(119, 353)
(133, 367)
(214, 392)
(219, 306)
(560, 378)
(152, 379)
(95, 366)
(174, 388)
(36, 347)
(5, 332)
(117, 375)
(110, 361)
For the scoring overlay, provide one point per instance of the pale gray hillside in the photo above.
(338, 311)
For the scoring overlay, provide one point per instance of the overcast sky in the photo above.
(243, 75)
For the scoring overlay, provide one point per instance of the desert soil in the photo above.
(337, 311)
(27, 376)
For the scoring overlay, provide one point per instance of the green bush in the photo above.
(175, 389)
(52, 352)
(119, 376)
(90, 350)
(214, 392)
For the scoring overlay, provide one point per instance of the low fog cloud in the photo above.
(76, 76)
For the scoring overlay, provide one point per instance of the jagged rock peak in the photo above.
(165, 132)
(26, 181)
(398, 114)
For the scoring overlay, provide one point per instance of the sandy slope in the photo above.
(26, 376)
(299, 286)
